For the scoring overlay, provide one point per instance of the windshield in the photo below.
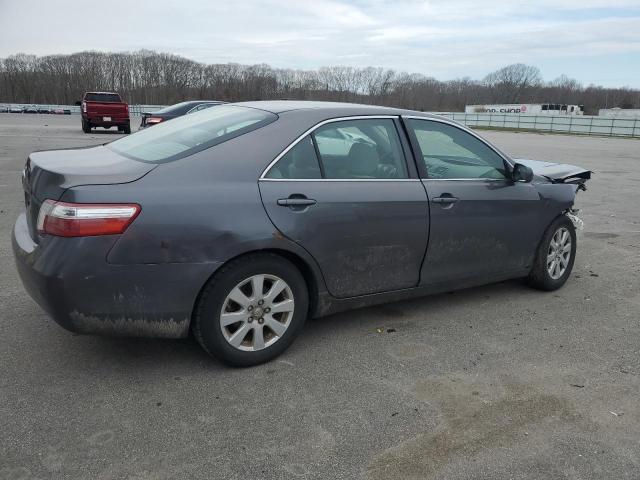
(193, 133)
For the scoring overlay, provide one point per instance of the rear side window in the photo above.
(350, 149)
(299, 162)
(103, 97)
(192, 133)
(361, 149)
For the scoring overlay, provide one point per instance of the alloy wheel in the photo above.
(257, 312)
(559, 253)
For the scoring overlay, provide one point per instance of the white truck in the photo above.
(528, 109)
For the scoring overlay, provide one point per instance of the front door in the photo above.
(344, 194)
(483, 225)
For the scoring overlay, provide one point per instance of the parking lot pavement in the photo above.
(494, 382)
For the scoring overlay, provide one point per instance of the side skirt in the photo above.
(328, 305)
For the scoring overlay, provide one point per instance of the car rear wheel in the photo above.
(251, 310)
(555, 256)
(127, 129)
(86, 127)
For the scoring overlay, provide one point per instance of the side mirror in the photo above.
(521, 173)
(77, 103)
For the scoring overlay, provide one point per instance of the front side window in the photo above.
(450, 152)
(361, 149)
(192, 133)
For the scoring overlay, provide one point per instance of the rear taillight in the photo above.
(84, 107)
(154, 120)
(85, 219)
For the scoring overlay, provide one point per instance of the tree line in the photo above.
(148, 77)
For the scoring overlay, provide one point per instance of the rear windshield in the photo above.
(189, 134)
(177, 108)
(103, 97)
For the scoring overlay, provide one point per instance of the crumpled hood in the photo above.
(556, 172)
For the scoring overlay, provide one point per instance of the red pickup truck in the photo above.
(104, 109)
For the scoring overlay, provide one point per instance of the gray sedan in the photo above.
(239, 222)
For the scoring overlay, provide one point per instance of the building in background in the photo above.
(528, 108)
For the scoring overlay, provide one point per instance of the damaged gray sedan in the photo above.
(238, 223)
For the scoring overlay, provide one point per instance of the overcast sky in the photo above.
(595, 41)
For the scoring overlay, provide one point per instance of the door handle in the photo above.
(445, 200)
(296, 202)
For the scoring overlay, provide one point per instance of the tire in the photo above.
(239, 342)
(541, 277)
(86, 127)
(127, 129)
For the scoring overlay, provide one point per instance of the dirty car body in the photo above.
(411, 205)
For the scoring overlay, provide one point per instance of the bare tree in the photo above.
(148, 77)
(510, 84)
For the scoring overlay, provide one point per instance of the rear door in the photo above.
(483, 225)
(347, 195)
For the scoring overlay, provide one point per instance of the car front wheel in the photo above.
(251, 310)
(555, 256)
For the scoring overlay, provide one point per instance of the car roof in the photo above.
(329, 108)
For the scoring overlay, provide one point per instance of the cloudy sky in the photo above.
(595, 41)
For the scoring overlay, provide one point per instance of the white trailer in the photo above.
(528, 109)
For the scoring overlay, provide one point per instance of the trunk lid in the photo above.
(48, 174)
(556, 172)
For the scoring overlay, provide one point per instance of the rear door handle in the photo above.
(445, 200)
(296, 202)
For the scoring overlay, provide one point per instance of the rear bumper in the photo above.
(98, 121)
(72, 281)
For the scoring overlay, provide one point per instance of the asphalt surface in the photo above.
(494, 382)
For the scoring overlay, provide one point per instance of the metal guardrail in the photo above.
(579, 124)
